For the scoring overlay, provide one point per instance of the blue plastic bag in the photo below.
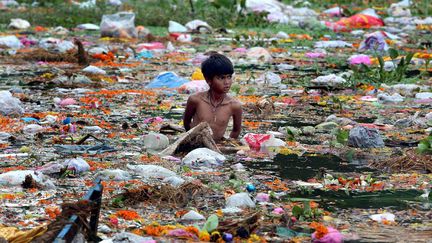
(167, 80)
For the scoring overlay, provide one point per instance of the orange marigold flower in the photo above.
(153, 230)
(193, 230)
(128, 214)
(320, 229)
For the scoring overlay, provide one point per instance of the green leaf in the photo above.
(289, 233)
(186, 169)
(393, 53)
(211, 224)
(306, 207)
(408, 57)
(243, 4)
(423, 147)
(297, 211)
(381, 62)
(402, 62)
(365, 67)
(342, 136)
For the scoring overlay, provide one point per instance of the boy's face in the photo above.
(221, 83)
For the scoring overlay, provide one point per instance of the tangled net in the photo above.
(81, 208)
(176, 197)
(410, 161)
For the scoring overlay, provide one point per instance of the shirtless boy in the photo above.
(215, 106)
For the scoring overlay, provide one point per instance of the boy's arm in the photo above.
(189, 112)
(237, 118)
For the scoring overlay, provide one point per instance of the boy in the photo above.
(215, 106)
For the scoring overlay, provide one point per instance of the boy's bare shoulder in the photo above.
(195, 97)
(235, 103)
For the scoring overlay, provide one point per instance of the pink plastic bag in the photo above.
(256, 140)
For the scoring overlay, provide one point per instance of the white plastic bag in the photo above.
(330, 80)
(269, 78)
(175, 27)
(10, 41)
(203, 157)
(174, 181)
(386, 98)
(193, 216)
(383, 216)
(156, 141)
(16, 178)
(198, 25)
(94, 70)
(240, 200)
(19, 24)
(114, 175)
(78, 164)
(121, 24)
(259, 53)
(9, 105)
(151, 171)
(32, 129)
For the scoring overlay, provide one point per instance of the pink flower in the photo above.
(262, 197)
(333, 236)
(278, 211)
(359, 59)
(181, 233)
(315, 55)
(67, 101)
(240, 50)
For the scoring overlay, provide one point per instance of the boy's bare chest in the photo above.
(219, 114)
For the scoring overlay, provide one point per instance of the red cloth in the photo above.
(357, 21)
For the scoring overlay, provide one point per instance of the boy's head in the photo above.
(216, 65)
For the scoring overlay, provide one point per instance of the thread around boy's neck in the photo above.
(215, 97)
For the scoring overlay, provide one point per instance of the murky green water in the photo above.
(304, 167)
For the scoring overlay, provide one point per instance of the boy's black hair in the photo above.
(216, 64)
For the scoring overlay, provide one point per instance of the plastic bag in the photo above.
(156, 141)
(254, 141)
(88, 26)
(10, 41)
(362, 137)
(175, 27)
(332, 44)
(269, 78)
(198, 25)
(114, 175)
(424, 95)
(330, 80)
(16, 178)
(151, 171)
(240, 200)
(19, 24)
(118, 25)
(78, 164)
(194, 87)
(94, 70)
(174, 181)
(386, 98)
(32, 129)
(56, 44)
(383, 216)
(203, 157)
(259, 53)
(167, 80)
(192, 215)
(126, 237)
(262, 142)
(9, 105)
(9, 3)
